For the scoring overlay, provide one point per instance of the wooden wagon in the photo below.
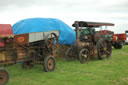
(30, 49)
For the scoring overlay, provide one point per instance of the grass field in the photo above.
(113, 71)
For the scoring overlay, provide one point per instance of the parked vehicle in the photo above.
(33, 41)
(30, 48)
(119, 40)
(89, 43)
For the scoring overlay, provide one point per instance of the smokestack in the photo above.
(77, 30)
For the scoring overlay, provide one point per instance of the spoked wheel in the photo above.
(27, 64)
(84, 55)
(104, 49)
(70, 54)
(51, 41)
(49, 64)
(4, 76)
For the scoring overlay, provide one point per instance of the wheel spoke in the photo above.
(50, 46)
(102, 44)
(51, 35)
(107, 52)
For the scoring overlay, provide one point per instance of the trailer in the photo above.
(89, 43)
(118, 40)
(30, 48)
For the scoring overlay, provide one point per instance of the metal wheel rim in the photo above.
(50, 64)
(83, 54)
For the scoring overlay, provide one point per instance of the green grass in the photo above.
(113, 71)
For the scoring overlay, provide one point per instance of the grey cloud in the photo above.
(79, 9)
(51, 3)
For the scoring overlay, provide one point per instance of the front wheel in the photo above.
(49, 64)
(84, 55)
(4, 76)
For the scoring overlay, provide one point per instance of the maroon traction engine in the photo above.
(89, 43)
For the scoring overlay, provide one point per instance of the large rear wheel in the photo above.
(4, 76)
(104, 48)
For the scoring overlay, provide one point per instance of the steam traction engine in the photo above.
(30, 49)
(89, 43)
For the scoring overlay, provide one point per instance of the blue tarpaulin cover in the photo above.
(67, 34)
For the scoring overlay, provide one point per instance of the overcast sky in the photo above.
(114, 11)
